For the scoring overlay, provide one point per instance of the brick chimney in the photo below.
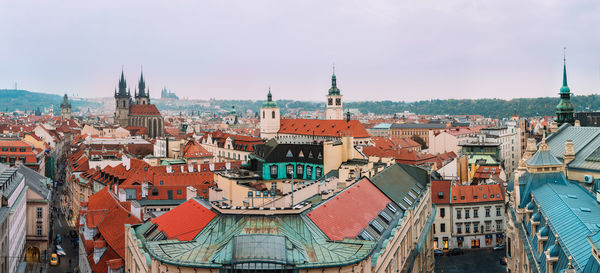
(569, 154)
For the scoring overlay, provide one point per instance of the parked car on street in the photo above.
(438, 252)
(456, 251)
(60, 251)
(499, 247)
(54, 259)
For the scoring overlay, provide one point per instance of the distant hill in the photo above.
(23, 100)
(496, 108)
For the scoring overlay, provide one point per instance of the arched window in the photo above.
(273, 114)
(330, 101)
(154, 128)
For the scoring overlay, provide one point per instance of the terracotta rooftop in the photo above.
(476, 193)
(144, 110)
(323, 127)
(346, 214)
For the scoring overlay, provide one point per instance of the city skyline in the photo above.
(382, 50)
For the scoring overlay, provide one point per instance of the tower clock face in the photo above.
(330, 101)
(338, 101)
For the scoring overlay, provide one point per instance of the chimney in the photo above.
(569, 154)
(122, 195)
(144, 189)
(99, 249)
(190, 192)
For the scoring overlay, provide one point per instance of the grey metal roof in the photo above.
(159, 202)
(396, 181)
(543, 158)
(586, 143)
(36, 182)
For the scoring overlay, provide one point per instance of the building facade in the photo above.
(13, 192)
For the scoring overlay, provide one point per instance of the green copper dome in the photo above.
(269, 102)
(334, 90)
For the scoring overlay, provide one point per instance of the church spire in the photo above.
(122, 84)
(565, 110)
(334, 90)
(142, 86)
(565, 88)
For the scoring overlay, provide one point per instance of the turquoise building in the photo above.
(274, 160)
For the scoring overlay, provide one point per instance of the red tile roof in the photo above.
(144, 110)
(323, 127)
(407, 143)
(185, 221)
(193, 149)
(476, 193)
(440, 191)
(346, 214)
(384, 143)
(112, 225)
(485, 172)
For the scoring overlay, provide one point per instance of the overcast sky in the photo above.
(396, 50)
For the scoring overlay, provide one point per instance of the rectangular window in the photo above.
(22, 150)
(22, 158)
(487, 212)
(475, 213)
(273, 171)
(467, 213)
(13, 149)
(498, 225)
(442, 227)
(467, 227)
(498, 211)
(458, 214)
(459, 228)
(40, 212)
(475, 227)
(38, 230)
(442, 212)
(488, 226)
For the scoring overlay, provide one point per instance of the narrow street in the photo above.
(66, 263)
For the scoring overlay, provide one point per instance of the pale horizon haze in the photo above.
(382, 50)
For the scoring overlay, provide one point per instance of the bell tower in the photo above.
(65, 108)
(122, 103)
(269, 118)
(333, 108)
(565, 109)
(142, 96)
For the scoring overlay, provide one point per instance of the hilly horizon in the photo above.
(24, 100)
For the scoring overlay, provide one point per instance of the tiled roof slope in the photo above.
(443, 187)
(464, 194)
(185, 221)
(346, 214)
(144, 110)
(323, 127)
(112, 226)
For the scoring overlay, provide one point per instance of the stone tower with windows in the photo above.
(269, 118)
(334, 101)
(122, 103)
(65, 108)
(142, 96)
